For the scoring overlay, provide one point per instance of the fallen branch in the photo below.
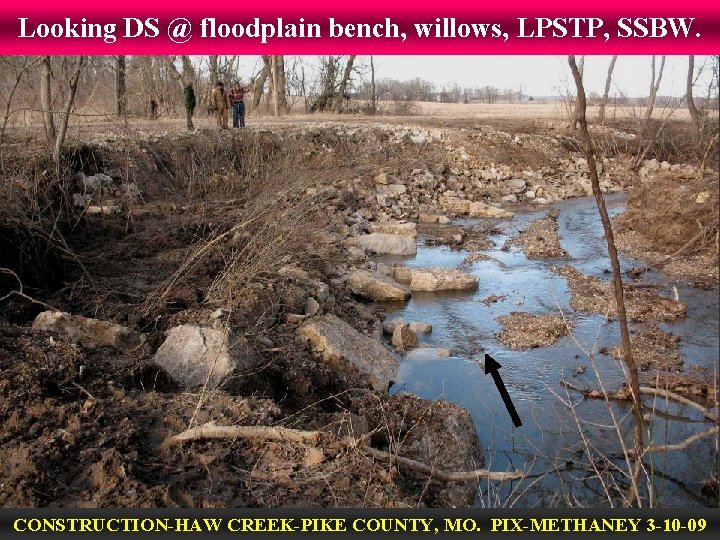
(213, 431)
(268, 433)
(20, 292)
(597, 394)
(684, 444)
(440, 475)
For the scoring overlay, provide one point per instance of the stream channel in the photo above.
(549, 437)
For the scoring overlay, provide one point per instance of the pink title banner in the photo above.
(368, 27)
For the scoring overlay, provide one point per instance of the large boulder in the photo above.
(377, 287)
(402, 228)
(194, 356)
(436, 279)
(387, 244)
(89, 332)
(456, 206)
(338, 343)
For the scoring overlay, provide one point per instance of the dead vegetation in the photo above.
(541, 239)
(592, 295)
(653, 348)
(529, 331)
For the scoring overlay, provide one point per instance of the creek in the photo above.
(550, 436)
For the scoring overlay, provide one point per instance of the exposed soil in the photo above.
(592, 295)
(528, 331)
(245, 230)
(653, 348)
(671, 222)
(540, 240)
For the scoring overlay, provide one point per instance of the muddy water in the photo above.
(549, 436)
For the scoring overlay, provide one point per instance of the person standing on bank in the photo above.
(219, 104)
(236, 97)
(190, 103)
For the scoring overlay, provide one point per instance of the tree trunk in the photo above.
(188, 70)
(340, 99)
(692, 109)
(574, 117)
(213, 62)
(281, 95)
(654, 86)
(64, 118)
(173, 71)
(632, 374)
(46, 100)
(603, 103)
(120, 94)
(275, 85)
(259, 85)
(373, 89)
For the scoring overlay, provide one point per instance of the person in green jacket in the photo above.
(189, 104)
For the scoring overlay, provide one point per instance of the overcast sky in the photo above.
(539, 75)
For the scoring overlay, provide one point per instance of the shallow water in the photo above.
(549, 435)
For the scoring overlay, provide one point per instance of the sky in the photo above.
(539, 75)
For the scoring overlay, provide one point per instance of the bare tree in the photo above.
(692, 109)
(274, 72)
(20, 69)
(632, 372)
(608, 80)
(574, 116)
(120, 91)
(259, 83)
(373, 88)
(342, 89)
(46, 99)
(654, 85)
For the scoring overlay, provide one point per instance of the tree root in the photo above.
(270, 433)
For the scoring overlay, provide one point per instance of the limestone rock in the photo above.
(417, 327)
(436, 279)
(377, 287)
(193, 355)
(401, 228)
(428, 353)
(311, 307)
(89, 331)
(462, 207)
(387, 244)
(341, 345)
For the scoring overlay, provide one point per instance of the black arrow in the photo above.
(492, 367)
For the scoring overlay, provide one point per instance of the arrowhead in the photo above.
(490, 364)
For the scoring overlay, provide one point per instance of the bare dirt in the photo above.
(250, 225)
(529, 331)
(671, 223)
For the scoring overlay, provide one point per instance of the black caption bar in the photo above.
(336, 523)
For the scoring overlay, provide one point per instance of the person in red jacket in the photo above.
(236, 97)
